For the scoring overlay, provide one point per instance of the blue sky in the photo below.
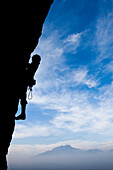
(73, 98)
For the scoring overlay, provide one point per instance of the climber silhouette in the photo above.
(28, 81)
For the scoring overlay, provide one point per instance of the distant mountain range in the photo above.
(67, 149)
(69, 158)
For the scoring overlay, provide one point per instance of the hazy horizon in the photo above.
(64, 158)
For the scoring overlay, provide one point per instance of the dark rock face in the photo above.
(21, 27)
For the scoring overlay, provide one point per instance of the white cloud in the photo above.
(51, 63)
(84, 116)
(72, 39)
(59, 89)
(72, 42)
(74, 108)
(76, 113)
(104, 37)
(81, 77)
(53, 71)
(34, 129)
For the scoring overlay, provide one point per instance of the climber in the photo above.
(28, 82)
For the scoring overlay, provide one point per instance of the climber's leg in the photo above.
(21, 117)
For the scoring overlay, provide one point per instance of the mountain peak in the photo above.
(63, 149)
(69, 150)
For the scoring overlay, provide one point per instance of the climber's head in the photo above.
(36, 58)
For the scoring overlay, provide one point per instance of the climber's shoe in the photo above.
(22, 116)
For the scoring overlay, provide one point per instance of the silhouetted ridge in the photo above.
(61, 150)
(66, 157)
(21, 28)
(69, 150)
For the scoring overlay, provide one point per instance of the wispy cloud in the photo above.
(75, 112)
(34, 129)
(104, 36)
(53, 71)
(81, 77)
(72, 42)
(73, 94)
(83, 116)
(68, 91)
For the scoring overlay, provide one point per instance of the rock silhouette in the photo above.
(21, 28)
